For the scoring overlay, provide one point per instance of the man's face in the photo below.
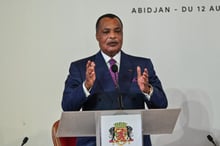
(110, 36)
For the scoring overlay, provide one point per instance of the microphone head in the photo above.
(209, 137)
(24, 141)
(114, 68)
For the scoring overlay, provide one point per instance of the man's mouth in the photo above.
(112, 44)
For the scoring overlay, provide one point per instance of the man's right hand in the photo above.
(90, 74)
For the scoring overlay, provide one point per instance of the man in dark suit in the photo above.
(90, 86)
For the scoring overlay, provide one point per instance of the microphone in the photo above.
(114, 69)
(211, 140)
(24, 141)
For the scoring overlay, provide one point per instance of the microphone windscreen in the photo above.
(114, 68)
(24, 140)
(209, 137)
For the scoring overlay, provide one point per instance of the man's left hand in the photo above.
(143, 81)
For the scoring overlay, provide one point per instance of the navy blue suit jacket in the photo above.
(104, 96)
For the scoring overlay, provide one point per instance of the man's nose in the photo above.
(112, 35)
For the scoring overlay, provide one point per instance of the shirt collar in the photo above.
(117, 57)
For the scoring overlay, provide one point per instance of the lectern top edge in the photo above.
(84, 123)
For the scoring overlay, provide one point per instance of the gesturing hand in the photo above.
(90, 74)
(142, 80)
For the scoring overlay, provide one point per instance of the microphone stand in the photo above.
(119, 97)
(114, 69)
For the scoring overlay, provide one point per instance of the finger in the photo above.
(88, 64)
(92, 64)
(138, 71)
(145, 70)
(90, 68)
(145, 73)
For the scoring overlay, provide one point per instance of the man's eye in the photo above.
(118, 30)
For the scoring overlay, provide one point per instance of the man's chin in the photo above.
(114, 52)
(114, 48)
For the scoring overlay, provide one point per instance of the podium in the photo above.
(92, 123)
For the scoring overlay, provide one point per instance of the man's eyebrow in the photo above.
(106, 29)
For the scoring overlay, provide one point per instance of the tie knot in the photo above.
(112, 61)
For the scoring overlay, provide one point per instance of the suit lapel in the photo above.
(104, 80)
(126, 72)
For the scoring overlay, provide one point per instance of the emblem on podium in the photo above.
(121, 134)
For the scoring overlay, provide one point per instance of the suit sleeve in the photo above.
(73, 95)
(158, 98)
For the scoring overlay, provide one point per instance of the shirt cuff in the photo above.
(87, 93)
(148, 95)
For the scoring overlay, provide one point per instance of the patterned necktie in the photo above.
(113, 74)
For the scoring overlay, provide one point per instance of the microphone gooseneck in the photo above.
(114, 69)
